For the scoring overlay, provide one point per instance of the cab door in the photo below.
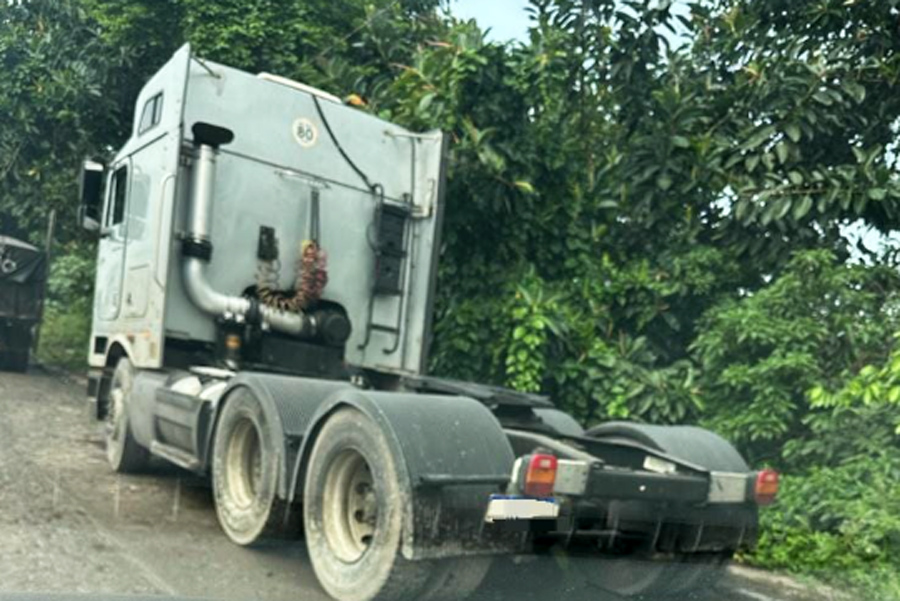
(113, 243)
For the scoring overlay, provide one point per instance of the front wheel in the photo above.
(353, 514)
(123, 452)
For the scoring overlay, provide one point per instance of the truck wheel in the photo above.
(245, 466)
(626, 576)
(700, 572)
(455, 579)
(353, 514)
(123, 452)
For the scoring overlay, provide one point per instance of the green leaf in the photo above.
(425, 102)
(525, 186)
(742, 210)
(751, 162)
(793, 132)
(781, 150)
(796, 177)
(894, 394)
(823, 97)
(801, 208)
(783, 205)
(856, 91)
(759, 137)
(680, 142)
(877, 193)
(664, 181)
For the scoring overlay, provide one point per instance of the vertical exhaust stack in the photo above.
(197, 247)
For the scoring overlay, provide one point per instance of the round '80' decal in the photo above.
(305, 132)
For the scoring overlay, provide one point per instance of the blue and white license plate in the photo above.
(516, 507)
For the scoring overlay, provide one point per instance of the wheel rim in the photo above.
(243, 463)
(350, 506)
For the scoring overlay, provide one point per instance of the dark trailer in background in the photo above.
(23, 270)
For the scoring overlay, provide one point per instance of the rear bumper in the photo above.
(661, 482)
(674, 511)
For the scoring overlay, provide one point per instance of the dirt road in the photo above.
(68, 525)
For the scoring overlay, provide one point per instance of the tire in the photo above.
(627, 576)
(455, 579)
(353, 514)
(124, 454)
(700, 572)
(245, 465)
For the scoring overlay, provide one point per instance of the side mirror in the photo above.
(91, 194)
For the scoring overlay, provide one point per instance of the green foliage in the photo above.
(760, 354)
(53, 111)
(803, 375)
(839, 524)
(66, 326)
(65, 333)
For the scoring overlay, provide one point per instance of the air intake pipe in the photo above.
(197, 247)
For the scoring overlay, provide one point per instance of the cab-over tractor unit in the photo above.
(265, 283)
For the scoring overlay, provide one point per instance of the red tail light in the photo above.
(766, 488)
(540, 476)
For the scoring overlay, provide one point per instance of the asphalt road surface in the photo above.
(68, 525)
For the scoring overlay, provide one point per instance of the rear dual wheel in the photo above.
(352, 512)
(353, 521)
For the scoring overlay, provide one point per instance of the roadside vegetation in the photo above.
(648, 210)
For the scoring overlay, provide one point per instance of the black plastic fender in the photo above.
(452, 451)
(455, 455)
(689, 443)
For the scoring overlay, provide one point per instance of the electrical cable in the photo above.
(340, 148)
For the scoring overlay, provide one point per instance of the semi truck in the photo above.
(262, 317)
(22, 279)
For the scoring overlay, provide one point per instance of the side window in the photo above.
(118, 194)
(151, 114)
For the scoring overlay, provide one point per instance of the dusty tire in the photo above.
(123, 452)
(455, 579)
(245, 465)
(353, 514)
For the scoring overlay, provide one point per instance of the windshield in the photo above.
(443, 299)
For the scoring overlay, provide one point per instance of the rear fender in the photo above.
(451, 453)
